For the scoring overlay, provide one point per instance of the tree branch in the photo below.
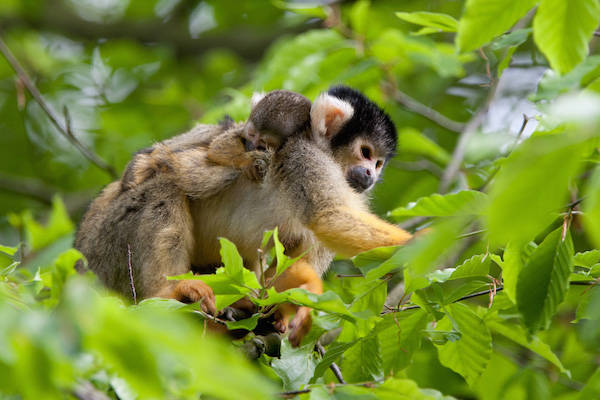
(334, 367)
(417, 107)
(477, 294)
(63, 125)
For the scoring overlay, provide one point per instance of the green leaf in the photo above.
(522, 203)
(591, 208)
(283, 261)
(553, 84)
(515, 256)
(362, 362)
(372, 262)
(486, 19)
(300, 8)
(475, 266)
(328, 301)
(412, 141)
(544, 280)
(8, 250)
(465, 202)
(438, 22)
(359, 16)
(296, 366)
(399, 337)
(395, 389)
(232, 261)
(470, 354)
(587, 259)
(518, 335)
(59, 225)
(512, 39)
(562, 30)
(247, 324)
(591, 390)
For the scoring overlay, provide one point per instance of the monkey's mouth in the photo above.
(358, 186)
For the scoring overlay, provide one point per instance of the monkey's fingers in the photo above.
(192, 291)
(300, 326)
(281, 321)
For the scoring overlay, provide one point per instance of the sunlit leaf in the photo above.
(465, 202)
(485, 19)
(562, 41)
(521, 202)
(438, 22)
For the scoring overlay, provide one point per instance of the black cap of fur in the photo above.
(368, 120)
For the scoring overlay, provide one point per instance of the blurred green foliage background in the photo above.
(495, 103)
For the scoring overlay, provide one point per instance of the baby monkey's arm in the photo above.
(229, 150)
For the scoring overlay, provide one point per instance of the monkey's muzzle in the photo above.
(360, 178)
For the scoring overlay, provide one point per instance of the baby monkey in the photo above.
(274, 117)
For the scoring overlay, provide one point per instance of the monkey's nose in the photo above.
(360, 178)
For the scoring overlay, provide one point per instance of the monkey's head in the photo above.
(275, 116)
(360, 134)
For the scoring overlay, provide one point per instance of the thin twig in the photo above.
(469, 296)
(461, 147)
(419, 108)
(334, 367)
(476, 294)
(293, 393)
(470, 234)
(131, 274)
(63, 126)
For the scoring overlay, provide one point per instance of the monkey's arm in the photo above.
(300, 275)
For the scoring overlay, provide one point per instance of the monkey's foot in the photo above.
(192, 291)
(300, 326)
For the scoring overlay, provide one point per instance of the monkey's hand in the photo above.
(256, 169)
(192, 291)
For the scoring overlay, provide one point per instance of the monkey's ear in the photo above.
(328, 115)
(256, 98)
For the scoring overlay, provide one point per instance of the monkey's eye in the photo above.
(366, 152)
(378, 164)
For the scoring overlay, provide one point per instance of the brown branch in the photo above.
(27, 187)
(334, 367)
(63, 126)
(293, 393)
(476, 294)
(417, 107)
(131, 274)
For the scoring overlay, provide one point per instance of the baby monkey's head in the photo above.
(275, 116)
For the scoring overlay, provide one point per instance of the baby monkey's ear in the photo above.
(328, 115)
(256, 98)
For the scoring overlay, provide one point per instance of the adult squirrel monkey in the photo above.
(313, 189)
